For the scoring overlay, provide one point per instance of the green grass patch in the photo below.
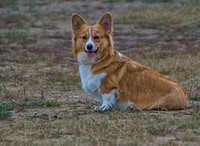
(44, 103)
(3, 78)
(157, 1)
(190, 2)
(109, 1)
(9, 4)
(191, 123)
(21, 99)
(114, 1)
(193, 87)
(4, 110)
(197, 98)
(48, 103)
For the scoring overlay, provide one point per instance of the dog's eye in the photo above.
(84, 37)
(96, 37)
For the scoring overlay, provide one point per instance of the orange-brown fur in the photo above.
(136, 83)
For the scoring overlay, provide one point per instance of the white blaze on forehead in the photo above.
(90, 38)
(90, 32)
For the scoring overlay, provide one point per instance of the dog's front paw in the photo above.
(103, 107)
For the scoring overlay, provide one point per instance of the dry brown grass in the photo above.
(112, 128)
(40, 85)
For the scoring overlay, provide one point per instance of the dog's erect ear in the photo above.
(106, 22)
(77, 22)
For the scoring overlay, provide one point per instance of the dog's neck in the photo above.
(103, 62)
(102, 57)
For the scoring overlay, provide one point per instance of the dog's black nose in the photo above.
(89, 47)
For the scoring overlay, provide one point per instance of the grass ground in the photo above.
(41, 100)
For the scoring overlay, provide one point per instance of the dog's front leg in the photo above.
(109, 101)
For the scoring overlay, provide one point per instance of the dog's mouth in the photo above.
(91, 53)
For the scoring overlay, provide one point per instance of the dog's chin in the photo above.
(86, 58)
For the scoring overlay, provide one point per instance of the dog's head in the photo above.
(92, 43)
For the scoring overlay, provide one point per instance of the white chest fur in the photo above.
(91, 83)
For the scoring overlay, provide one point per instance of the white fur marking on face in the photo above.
(90, 32)
(83, 59)
(90, 41)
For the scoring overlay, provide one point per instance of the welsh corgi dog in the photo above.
(114, 80)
